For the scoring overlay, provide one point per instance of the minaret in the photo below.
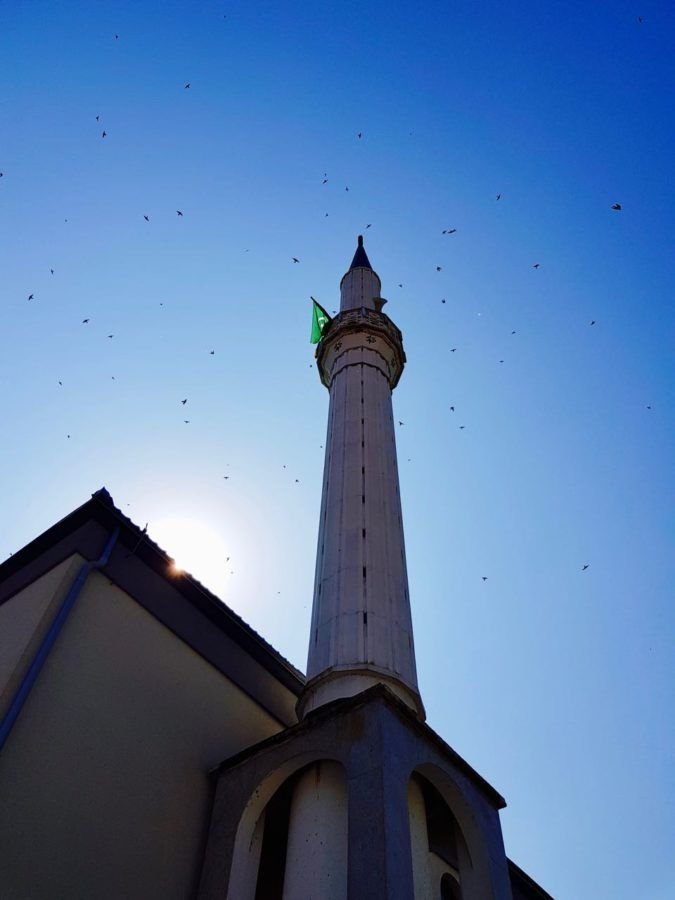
(361, 631)
(360, 798)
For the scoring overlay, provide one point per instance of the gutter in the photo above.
(29, 679)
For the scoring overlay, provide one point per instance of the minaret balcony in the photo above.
(357, 337)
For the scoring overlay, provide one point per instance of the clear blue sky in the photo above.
(555, 683)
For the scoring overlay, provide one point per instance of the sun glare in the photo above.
(196, 549)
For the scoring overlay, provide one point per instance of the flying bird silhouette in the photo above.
(484, 577)
(147, 218)
(499, 196)
(187, 86)
(178, 212)
(452, 409)
(85, 321)
(583, 569)
(438, 268)
(536, 265)
(616, 206)
(449, 230)
(105, 134)
(295, 259)
(184, 401)
(52, 271)
(359, 135)
(30, 296)
(592, 322)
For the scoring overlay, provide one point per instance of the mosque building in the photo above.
(153, 745)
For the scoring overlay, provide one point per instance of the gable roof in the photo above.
(143, 570)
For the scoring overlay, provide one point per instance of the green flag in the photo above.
(320, 319)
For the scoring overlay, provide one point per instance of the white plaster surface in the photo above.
(316, 857)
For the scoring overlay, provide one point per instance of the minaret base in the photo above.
(361, 793)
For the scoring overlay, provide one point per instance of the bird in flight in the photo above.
(452, 409)
(295, 259)
(178, 212)
(212, 353)
(105, 134)
(325, 181)
(187, 421)
(499, 196)
(360, 135)
(147, 218)
(85, 321)
(592, 322)
(184, 401)
(30, 296)
(401, 423)
(369, 226)
(449, 230)
(52, 271)
(111, 335)
(649, 407)
(583, 569)
(513, 332)
(536, 265)
(438, 268)
(187, 86)
(453, 349)
(484, 577)
(443, 300)
(616, 206)
(462, 427)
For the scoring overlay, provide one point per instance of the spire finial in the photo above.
(360, 260)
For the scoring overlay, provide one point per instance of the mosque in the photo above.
(153, 746)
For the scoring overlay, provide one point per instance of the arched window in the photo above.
(450, 888)
(434, 837)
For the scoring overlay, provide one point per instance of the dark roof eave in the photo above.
(102, 509)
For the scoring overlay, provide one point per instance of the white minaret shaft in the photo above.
(361, 626)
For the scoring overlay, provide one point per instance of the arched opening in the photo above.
(294, 845)
(438, 848)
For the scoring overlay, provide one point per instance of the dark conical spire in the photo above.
(360, 260)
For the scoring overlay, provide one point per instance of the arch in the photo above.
(473, 839)
(249, 833)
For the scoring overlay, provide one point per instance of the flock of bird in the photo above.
(449, 231)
